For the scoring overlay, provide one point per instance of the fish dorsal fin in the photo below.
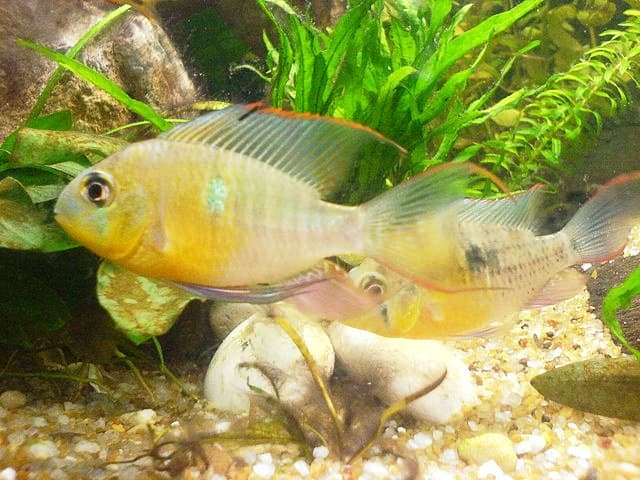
(518, 211)
(317, 150)
(560, 287)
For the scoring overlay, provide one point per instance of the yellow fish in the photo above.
(495, 264)
(232, 206)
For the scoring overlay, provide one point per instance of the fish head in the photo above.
(104, 209)
(398, 300)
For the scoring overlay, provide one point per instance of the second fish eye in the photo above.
(98, 189)
(373, 284)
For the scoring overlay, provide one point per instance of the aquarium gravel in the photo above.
(512, 433)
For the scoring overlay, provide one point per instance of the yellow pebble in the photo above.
(489, 446)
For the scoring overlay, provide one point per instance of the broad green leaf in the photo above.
(98, 80)
(604, 386)
(35, 146)
(140, 307)
(25, 226)
(59, 121)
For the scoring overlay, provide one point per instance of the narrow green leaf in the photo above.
(103, 83)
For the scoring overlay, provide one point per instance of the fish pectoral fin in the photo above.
(560, 287)
(317, 150)
(325, 290)
(260, 294)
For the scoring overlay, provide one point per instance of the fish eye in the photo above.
(97, 188)
(373, 284)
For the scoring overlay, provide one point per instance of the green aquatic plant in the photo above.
(620, 297)
(569, 107)
(400, 71)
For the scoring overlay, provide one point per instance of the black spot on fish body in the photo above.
(476, 259)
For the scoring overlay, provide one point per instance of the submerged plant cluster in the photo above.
(446, 84)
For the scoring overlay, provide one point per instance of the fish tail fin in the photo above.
(598, 231)
(406, 228)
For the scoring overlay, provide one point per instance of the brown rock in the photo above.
(134, 52)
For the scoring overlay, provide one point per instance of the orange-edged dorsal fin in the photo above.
(560, 287)
(518, 211)
(317, 150)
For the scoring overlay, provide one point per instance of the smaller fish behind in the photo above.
(496, 264)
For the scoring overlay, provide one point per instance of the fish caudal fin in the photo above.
(599, 230)
(407, 228)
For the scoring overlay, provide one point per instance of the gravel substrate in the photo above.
(512, 433)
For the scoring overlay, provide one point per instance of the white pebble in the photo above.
(62, 419)
(140, 417)
(222, 427)
(264, 470)
(535, 364)
(553, 456)
(579, 451)
(8, 474)
(13, 399)
(586, 266)
(449, 456)
(503, 417)
(85, 446)
(17, 438)
(302, 468)
(375, 469)
(490, 469)
(419, 441)
(629, 469)
(531, 444)
(473, 426)
(265, 458)
(43, 450)
(320, 452)
(39, 422)
(435, 472)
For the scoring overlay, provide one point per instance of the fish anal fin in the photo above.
(317, 150)
(560, 287)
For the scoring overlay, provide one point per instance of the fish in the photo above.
(234, 205)
(495, 263)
